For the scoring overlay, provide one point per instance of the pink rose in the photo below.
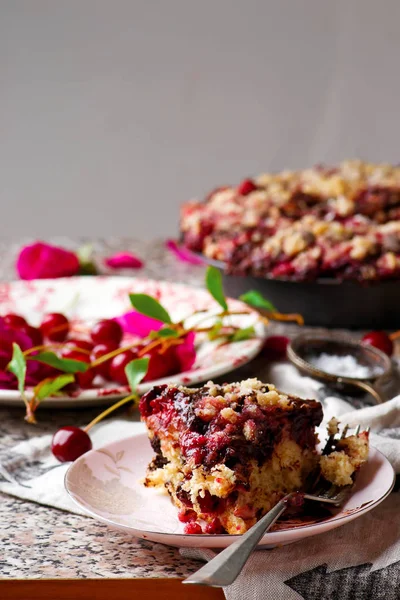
(43, 261)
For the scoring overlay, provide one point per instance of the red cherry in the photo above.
(68, 352)
(34, 333)
(81, 344)
(161, 365)
(192, 529)
(5, 353)
(118, 364)
(380, 340)
(15, 321)
(85, 380)
(55, 327)
(105, 331)
(69, 443)
(246, 187)
(275, 347)
(103, 369)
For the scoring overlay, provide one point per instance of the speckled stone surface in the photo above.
(40, 542)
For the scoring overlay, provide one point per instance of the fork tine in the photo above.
(368, 429)
(344, 432)
(357, 430)
(329, 443)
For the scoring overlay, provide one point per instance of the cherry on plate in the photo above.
(161, 365)
(69, 443)
(85, 379)
(5, 353)
(73, 354)
(15, 321)
(55, 327)
(98, 351)
(380, 340)
(106, 331)
(118, 364)
(34, 333)
(81, 344)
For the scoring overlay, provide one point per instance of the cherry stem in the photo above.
(275, 316)
(51, 347)
(110, 355)
(110, 410)
(394, 336)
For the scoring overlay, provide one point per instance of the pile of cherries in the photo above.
(56, 334)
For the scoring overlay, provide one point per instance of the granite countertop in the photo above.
(42, 542)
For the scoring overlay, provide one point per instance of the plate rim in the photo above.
(225, 536)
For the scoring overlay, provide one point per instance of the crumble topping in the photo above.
(294, 224)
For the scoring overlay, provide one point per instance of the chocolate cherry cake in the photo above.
(341, 222)
(228, 453)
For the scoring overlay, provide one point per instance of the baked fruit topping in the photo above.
(339, 222)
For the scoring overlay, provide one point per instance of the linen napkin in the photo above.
(294, 571)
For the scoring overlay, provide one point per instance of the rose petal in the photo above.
(10, 335)
(183, 254)
(123, 260)
(43, 261)
(186, 353)
(137, 324)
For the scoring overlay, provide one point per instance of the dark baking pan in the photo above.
(325, 302)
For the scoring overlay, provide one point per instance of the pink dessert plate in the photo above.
(85, 300)
(107, 485)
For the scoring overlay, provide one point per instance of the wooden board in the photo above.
(105, 589)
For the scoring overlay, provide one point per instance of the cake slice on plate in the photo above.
(228, 453)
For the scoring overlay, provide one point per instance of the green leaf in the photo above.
(254, 298)
(166, 332)
(51, 386)
(135, 371)
(243, 334)
(150, 307)
(63, 364)
(17, 365)
(214, 286)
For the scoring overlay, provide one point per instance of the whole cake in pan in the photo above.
(341, 222)
(228, 453)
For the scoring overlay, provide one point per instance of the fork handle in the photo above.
(224, 568)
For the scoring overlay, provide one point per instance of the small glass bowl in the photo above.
(303, 348)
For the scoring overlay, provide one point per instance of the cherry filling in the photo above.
(209, 440)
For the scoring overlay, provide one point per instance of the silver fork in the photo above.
(224, 568)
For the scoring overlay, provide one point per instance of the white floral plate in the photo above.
(88, 299)
(106, 484)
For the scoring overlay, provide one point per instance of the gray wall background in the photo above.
(114, 112)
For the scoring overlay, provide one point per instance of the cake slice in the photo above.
(228, 453)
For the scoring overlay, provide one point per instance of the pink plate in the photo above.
(85, 300)
(106, 484)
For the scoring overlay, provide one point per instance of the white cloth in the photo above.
(266, 572)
